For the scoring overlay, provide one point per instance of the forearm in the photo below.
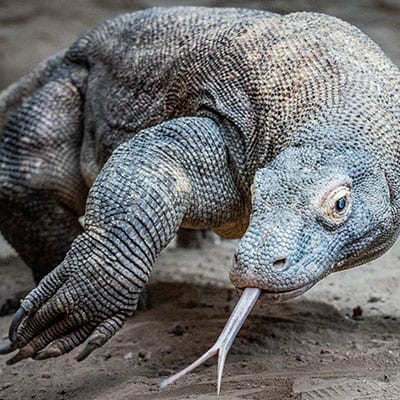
(168, 174)
(165, 176)
(135, 208)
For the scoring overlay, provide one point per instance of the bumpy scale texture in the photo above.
(282, 129)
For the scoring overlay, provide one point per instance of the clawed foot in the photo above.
(71, 305)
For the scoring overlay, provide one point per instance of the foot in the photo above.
(83, 298)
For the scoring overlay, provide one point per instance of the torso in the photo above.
(266, 75)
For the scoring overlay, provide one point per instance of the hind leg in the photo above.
(42, 192)
(40, 229)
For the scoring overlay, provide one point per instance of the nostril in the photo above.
(279, 263)
(235, 259)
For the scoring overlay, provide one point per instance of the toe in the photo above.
(15, 323)
(50, 337)
(101, 335)
(51, 312)
(22, 354)
(65, 344)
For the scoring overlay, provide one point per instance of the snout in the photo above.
(277, 281)
(279, 275)
(284, 264)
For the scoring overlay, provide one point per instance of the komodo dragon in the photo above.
(283, 131)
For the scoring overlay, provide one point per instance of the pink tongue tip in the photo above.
(225, 339)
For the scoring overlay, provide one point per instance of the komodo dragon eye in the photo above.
(335, 205)
(340, 204)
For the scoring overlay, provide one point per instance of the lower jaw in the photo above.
(277, 297)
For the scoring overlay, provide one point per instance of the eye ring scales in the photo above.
(335, 204)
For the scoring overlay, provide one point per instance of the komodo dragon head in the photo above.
(313, 213)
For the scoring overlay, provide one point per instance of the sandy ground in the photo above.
(338, 341)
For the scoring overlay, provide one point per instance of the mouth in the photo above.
(272, 296)
(277, 297)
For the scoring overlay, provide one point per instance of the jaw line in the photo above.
(278, 297)
(281, 296)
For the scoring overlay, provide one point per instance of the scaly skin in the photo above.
(283, 130)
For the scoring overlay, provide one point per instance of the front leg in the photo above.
(171, 174)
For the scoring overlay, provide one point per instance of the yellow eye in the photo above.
(337, 204)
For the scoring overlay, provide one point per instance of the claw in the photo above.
(23, 353)
(226, 338)
(18, 317)
(7, 348)
(95, 341)
(86, 351)
(89, 348)
(49, 352)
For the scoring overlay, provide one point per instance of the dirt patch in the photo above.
(339, 341)
(309, 348)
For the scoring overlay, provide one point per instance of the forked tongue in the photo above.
(225, 339)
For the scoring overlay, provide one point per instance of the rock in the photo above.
(5, 386)
(374, 299)
(144, 355)
(357, 312)
(177, 330)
